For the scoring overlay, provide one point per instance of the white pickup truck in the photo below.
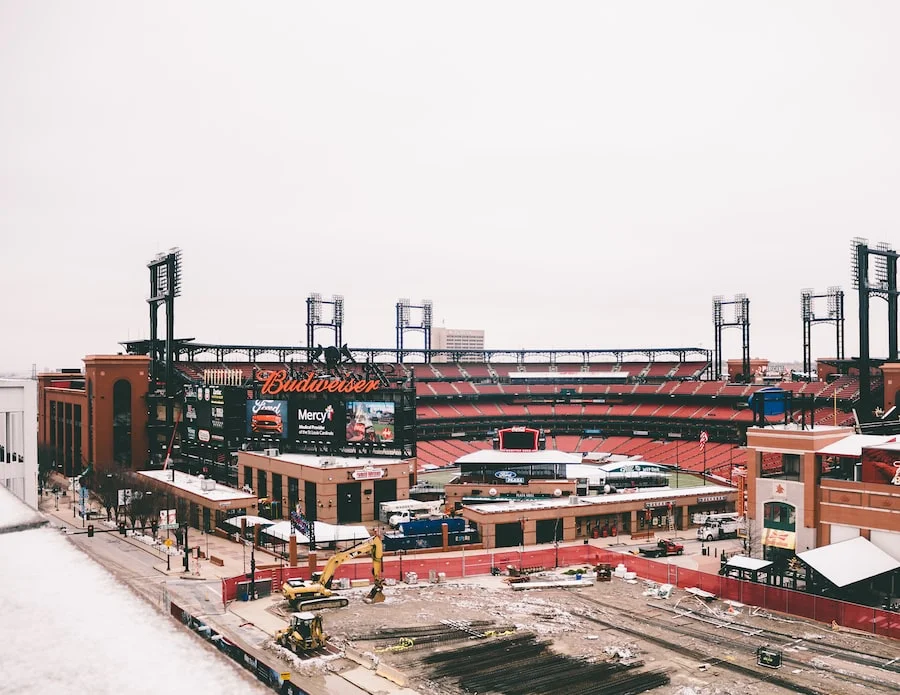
(411, 515)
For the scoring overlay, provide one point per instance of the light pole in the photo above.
(401, 553)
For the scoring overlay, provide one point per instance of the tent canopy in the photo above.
(747, 563)
(251, 521)
(849, 561)
(325, 533)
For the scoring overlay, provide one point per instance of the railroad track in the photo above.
(645, 626)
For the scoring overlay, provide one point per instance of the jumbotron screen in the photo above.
(518, 439)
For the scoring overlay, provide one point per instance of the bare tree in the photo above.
(46, 457)
(107, 491)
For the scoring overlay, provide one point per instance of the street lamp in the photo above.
(401, 553)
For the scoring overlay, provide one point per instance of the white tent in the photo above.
(849, 561)
(325, 533)
(251, 521)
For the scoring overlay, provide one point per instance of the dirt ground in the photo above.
(635, 626)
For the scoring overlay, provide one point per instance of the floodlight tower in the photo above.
(165, 284)
(314, 320)
(835, 315)
(884, 286)
(404, 324)
(742, 320)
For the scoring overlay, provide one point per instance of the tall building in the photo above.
(456, 339)
(18, 439)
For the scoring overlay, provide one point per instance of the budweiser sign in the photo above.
(274, 383)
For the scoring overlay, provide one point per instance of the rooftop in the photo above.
(317, 461)
(493, 457)
(648, 495)
(193, 484)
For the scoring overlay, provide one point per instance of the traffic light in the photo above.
(90, 530)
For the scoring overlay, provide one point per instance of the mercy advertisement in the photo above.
(267, 417)
(315, 419)
(370, 421)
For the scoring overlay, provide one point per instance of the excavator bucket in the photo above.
(376, 595)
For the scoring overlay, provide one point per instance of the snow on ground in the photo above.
(13, 511)
(70, 627)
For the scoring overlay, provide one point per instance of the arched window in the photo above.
(122, 422)
(780, 515)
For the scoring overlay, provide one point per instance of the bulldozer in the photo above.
(317, 593)
(304, 634)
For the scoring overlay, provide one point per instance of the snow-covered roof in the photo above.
(493, 457)
(747, 563)
(194, 484)
(556, 503)
(853, 444)
(318, 461)
(849, 561)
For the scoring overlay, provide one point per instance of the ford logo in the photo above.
(505, 475)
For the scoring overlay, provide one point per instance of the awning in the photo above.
(748, 563)
(776, 538)
(849, 562)
(251, 521)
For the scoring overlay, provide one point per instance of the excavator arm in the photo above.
(373, 547)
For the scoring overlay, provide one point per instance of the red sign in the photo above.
(368, 474)
(278, 382)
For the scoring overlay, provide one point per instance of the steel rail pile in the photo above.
(524, 665)
(705, 636)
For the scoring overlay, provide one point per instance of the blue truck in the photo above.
(421, 527)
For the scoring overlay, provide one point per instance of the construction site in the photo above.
(571, 630)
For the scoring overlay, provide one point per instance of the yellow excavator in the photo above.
(304, 634)
(317, 593)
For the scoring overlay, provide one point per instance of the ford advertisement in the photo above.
(370, 421)
(315, 420)
(267, 418)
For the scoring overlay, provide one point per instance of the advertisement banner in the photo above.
(315, 419)
(881, 466)
(267, 417)
(370, 421)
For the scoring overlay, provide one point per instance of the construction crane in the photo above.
(317, 592)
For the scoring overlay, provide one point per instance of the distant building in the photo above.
(456, 339)
(18, 439)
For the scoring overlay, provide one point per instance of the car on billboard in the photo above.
(266, 421)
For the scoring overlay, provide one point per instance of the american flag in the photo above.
(704, 437)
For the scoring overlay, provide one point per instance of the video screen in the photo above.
(370, 421)
(267, 418)
(521, 440)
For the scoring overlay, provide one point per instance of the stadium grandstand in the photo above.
(644, 409)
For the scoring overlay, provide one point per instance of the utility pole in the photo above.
(187, 550)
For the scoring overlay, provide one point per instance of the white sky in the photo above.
(560, 175)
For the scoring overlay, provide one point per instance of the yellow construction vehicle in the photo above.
(317, 593)
(304, 634)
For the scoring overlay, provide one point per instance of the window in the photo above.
(248, 476)
(780, 515)
(121, 422)
(261, 486)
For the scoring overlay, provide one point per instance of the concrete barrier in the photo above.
(216, 561)
(391, 674)
(359, 658)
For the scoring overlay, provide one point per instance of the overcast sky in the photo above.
(558, 174)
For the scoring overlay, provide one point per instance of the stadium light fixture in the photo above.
(717, 309)
(881, 264)
(855, 243)
(806, 304)
(834, 295)
(404, 312)
(315, 303)
(427, 313)
(338, 301)
(740, 308)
